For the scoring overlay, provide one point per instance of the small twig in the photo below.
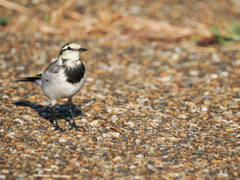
(65, 6)
(204, 49)
(57, 14)
(75, 15)
(111, 127)
(230, 48)
(48, 29)
(14, 6)
(21, 20)
(53, 176)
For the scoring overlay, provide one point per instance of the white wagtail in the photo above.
(63, 78)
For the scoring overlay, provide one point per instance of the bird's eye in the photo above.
(69, 48)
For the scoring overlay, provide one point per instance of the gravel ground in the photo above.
(171, 108)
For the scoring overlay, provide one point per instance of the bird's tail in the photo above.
(29, 79)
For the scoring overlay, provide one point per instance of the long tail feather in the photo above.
(29, 79)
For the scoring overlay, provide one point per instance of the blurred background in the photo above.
(120, 20)
(32, 31)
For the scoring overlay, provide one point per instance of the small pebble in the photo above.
(5, 96)
(131, 124)
(114, 118)
(194, 73)
(214, 76)
(146, 146)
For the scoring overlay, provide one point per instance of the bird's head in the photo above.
(69, 54)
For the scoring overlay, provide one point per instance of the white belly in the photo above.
(59, 88)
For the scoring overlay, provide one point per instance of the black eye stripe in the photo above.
(70, 48)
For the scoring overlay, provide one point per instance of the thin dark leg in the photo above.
(57, 127)
(73, 125)
(51, 121)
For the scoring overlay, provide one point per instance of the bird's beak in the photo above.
(81, 49)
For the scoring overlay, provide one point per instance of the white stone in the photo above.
(131, 124)
(62, 140)
(89, 79)
(106, 135)
(214, 76)
(140, 156)
(84, 121)
(2, 176)
(115, 134)
(215, 57)
(150, 166)
(5, 96)
(224, 74)
(94, 123)
(194, 73)
(138, 141)
(114, 118)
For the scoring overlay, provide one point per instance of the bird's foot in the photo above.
(59, 128)
(74, 125)
(51, 121)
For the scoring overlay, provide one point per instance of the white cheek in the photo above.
(71, 55)
(76, 55)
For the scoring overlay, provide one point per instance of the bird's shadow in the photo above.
(62, 111)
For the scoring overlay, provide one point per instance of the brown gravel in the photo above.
(175, 106)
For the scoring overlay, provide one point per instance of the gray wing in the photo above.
(52, 69)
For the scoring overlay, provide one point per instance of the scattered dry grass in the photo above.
(114, 25)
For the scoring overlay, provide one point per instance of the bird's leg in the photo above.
(57, 127)
(51, 121)
(73, 125)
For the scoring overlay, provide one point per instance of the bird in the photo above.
(63, 78)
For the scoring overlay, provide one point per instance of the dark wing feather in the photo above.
(29, 79)
(52, 68)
